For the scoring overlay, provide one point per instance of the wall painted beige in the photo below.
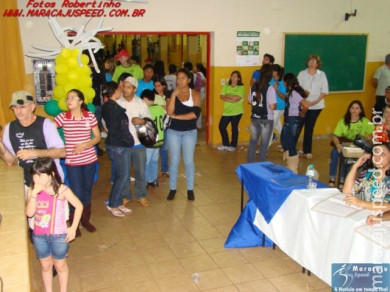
(224, 18)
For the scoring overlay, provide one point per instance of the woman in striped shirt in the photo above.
(77, 124)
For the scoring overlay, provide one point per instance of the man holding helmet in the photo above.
(136, 110)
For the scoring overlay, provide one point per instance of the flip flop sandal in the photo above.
(124, 209)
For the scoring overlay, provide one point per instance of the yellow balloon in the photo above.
(89, 94)
(73, 76)
(84, 70)
(61, 68)
(61, 79)
(75, 52)
(69, 86)
(84, 59)
(60, 59)
(62, 104)
(59, 93)
(72, 63)
(65, 52)
(84, 81)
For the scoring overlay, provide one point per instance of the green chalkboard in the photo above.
(343, 57)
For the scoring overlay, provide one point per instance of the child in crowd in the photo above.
(280, 88)
(146, 82)
(160, 98)
(46, 201)
(78, 124)
(233, 95)
(118, 141)
(295, 108)
(171, 77)
(263, 100)
(158, 114)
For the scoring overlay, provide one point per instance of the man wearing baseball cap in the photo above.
(123, 57)
(29, 136)
(136, 110)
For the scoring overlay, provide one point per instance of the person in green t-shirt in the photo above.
(353, 123)
(233, 95)
(158, 114)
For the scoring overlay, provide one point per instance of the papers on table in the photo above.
(379, 233)
(336, 206)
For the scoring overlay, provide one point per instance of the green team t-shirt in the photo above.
(362, 127)
(158, 113)
(118, 72)
(233, 108)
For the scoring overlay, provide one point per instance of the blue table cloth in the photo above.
(268, 186)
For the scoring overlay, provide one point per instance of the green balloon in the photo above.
(91, 107)
(51, 108)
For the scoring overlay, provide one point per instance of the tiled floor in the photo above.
(159, 248)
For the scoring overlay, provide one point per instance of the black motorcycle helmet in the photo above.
(147, 133)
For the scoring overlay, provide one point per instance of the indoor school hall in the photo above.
(179, 245)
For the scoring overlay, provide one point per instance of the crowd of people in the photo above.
(133, 100)
(129, 99)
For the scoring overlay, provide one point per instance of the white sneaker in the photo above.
(222, 148)
(231, 149)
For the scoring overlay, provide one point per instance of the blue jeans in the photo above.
(137, 157)
(185, 140)
(334, 162)
(81, 181)
(50, 245)
(120, 165)
(289, 132)
(260, 128)
(151, 168)
(164, 154)
(223, 123)
(309, 121)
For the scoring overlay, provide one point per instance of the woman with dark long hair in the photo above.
(295, 107)
(78, 123)
(353, 123)
(263, 100)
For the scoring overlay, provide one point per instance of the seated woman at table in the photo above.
(353, 123)
(368, 183)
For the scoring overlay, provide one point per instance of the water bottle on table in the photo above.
(310, 173)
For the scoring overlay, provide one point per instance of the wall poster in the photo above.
(247, 48)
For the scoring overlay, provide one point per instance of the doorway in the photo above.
(171, 48)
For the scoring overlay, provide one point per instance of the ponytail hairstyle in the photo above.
(109, 89)
(81, 97)
(292, 84)
(47, 166)
(265, 77)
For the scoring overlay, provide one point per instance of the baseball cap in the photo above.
(21, 98)
(122, 53)
(132, 81)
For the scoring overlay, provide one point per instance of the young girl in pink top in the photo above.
(46, 202)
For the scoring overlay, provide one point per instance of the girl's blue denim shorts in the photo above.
(50, 245)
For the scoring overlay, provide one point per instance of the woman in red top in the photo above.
(81, 159)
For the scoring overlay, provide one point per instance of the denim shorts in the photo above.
(50, 245)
